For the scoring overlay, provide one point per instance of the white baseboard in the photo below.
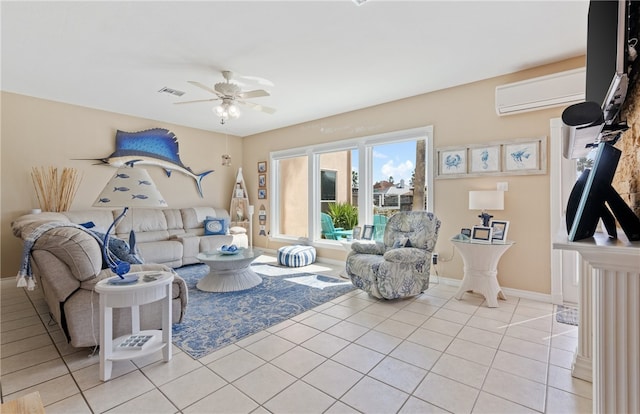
(525, 294)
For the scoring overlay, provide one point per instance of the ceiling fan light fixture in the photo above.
(233, 110)
(220, 111)
(227, 110)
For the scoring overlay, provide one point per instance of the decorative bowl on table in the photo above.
(228, 249)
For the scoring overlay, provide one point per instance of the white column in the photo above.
(583, 359)
(617, 341)
(616, 321)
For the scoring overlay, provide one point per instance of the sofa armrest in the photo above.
(76, 248)
(190, 245)
(368, 248)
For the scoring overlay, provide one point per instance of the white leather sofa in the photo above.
(67, 262)
(172, 237)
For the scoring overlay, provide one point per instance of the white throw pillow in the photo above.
(237, 230)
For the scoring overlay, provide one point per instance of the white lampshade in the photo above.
(486, 200)
(130, 187)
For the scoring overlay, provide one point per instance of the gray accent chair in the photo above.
(399, 266)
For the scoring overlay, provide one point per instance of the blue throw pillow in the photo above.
(215, 226)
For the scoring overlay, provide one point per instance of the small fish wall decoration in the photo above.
(157, 147)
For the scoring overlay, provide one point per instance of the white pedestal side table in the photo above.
(481, 269)
(132, 296)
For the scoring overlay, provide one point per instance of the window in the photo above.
(328, 185)
(371, 176)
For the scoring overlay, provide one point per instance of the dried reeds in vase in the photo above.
(55, 194)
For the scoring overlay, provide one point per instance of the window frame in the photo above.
(365, 146)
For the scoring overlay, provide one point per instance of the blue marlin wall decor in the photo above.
(155, 146)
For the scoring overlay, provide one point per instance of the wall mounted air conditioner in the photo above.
(563, 88)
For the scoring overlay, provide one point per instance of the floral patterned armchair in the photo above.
(399, 265)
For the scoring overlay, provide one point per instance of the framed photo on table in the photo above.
(481, 234)
(367, 233)
(500, 229)
(356, 232)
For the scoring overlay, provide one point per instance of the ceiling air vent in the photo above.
(171, 91)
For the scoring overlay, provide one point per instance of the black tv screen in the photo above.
(602, 48)
(611, 70)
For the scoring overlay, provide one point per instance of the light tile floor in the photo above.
(428, 354)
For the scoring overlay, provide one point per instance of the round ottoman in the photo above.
(296, 256)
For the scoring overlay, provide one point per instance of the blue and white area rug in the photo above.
(214, 320)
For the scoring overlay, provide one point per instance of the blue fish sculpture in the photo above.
(156, 146)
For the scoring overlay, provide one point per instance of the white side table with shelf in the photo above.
(132, 296)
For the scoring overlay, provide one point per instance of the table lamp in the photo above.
(486, 200)
(129, 187)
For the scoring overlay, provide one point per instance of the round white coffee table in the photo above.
(229, 272)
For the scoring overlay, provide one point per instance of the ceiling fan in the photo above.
(230, 93)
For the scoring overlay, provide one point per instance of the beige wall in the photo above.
(41, 133)
(461, 115)
(36, 132)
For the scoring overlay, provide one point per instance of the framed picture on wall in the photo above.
(262, 166)
(452, 162)
(262, 193)
(525, 156)
(262, 180)
(485, 159)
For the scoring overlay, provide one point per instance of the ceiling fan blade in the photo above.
(254, 94)
(199, 100)
(205, 87)
(258, 107)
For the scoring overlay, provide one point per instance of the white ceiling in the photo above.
(321, 57)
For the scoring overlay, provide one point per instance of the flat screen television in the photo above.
(611, 74)
(612, 25)
(612, 71)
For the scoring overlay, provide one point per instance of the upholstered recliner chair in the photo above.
(399, 265)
